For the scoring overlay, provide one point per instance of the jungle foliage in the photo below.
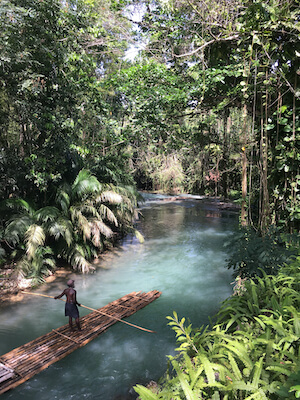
(216, 89)
(65, 182)
(210, 105)
(85, 218)
(251, 352)
(251, 253)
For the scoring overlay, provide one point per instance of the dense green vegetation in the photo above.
(210, 105)
(251, 352)
(65, 182)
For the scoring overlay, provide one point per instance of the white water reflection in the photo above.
(182, 256)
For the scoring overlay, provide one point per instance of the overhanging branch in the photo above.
(229, 38)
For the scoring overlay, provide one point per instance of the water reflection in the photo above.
(182, 256)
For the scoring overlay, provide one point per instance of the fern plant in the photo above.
(252, 352)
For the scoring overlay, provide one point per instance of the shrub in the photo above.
(250, 353)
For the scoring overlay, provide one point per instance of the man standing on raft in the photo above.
(71, 309)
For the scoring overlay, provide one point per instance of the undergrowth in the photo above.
(251, 352)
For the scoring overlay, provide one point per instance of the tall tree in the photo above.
(244, 56)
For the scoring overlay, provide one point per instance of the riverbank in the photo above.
(11, 285)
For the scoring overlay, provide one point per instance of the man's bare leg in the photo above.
(78, 324)
(71, 324)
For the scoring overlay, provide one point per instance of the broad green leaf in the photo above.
(146, 394)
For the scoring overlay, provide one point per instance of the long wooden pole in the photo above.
(92, 309)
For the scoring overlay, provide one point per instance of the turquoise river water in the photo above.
(182, 256)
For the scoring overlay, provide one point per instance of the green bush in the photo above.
(250, 252)
(252, 351)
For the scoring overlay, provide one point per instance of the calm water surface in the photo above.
(182, 256)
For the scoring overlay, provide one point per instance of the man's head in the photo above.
(70, 283)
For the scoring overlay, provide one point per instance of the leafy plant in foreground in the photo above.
(252, 352)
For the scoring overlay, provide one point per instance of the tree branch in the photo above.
(233, 37)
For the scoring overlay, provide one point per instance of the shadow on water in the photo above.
(182, 256)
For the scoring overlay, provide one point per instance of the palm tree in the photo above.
(86, 217)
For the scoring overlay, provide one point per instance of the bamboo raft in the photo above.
(22, 363)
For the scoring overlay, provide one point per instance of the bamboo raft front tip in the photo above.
(24, 362)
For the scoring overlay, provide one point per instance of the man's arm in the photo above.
(61, 295)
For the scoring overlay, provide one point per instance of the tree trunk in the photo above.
(265, 204)
(226, 130)
(244, 218)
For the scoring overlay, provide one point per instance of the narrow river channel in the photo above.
(182, 256)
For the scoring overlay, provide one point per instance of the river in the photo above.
(182, 256)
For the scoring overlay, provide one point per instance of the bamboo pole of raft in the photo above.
(92, 309)
(65, 336)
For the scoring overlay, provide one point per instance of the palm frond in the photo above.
(34, 237)
(18, 205)
(47, 214)
(42, 264)
(2, 252)
(63, 198)
(97, 239)
(88, 208)
(98, 227)
(77, 259)
(139, 236)
(85, 184)
(107, 214)
(16, 229)
(110, 197)
(80, 221)
(62, 228)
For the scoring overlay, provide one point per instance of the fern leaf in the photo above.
(241, 351)
(257, 372)
(260, 322)
(183, 382)
(296, 319)
(216, 396)
(279, 369)
(146, 394)
(241, 385)
(259, 395)
(209, 372)
(254, 297)
(235, 369)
